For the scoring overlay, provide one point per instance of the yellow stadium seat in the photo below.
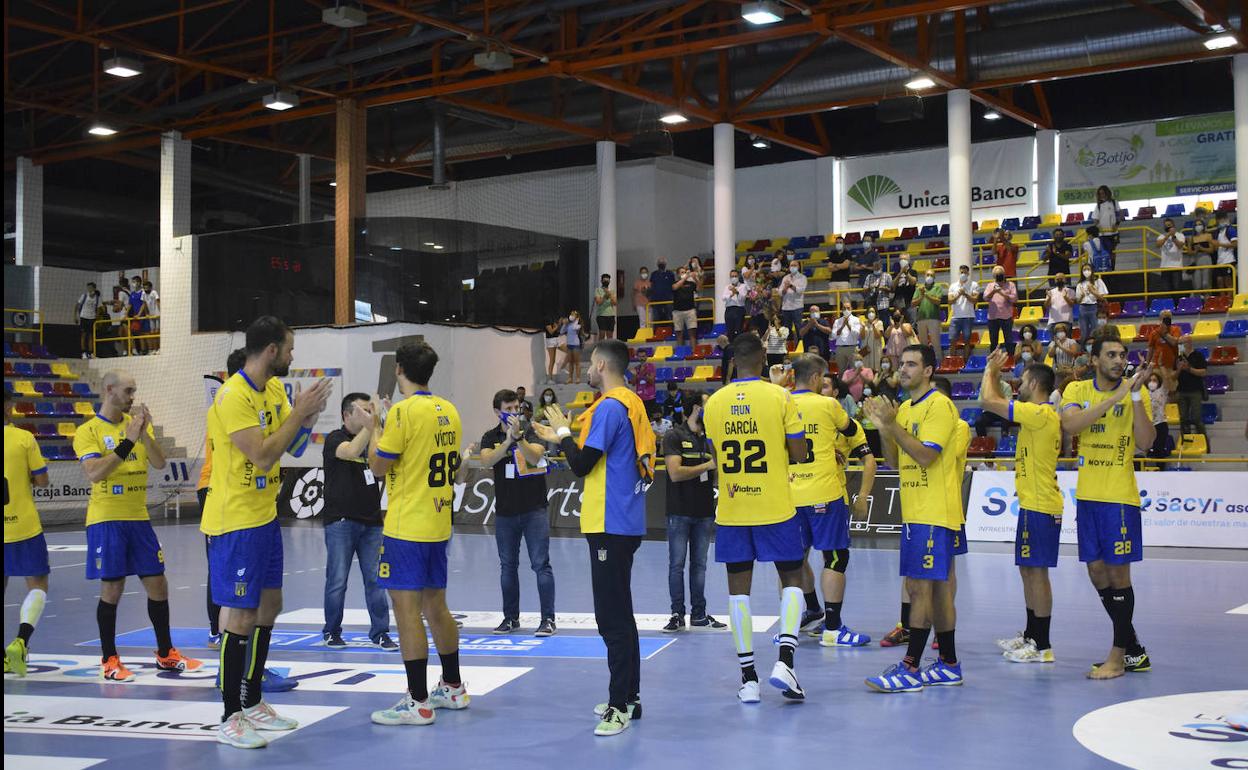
(1206, 330)
(84, 408)
(1051, 220)
(1030, 314)
(777, 243)
(703, 373)
(25, 388)
(1194, 445)
(662, 353)
(1028, 258)
(914, 247)
(817, 256)
(583, 398)
(1126, 332)
(63, 371)
(890, 235)
(821, 274)
(1206, 205)
(988, 225)
(1172, 413)
(831, 237)
(744, 245)
(1239, 304)
(644, 334)
(922, 265)
(66, 429)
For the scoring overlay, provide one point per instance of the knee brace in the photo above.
(837, 560)
(737, 567)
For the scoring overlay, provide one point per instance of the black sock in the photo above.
(417, 683)
(1030, 630)
(233, 661)
(24, 631)
(214, 614)
(948, 652)
(106, 619)
(905, 614)
(257, 656)
(450, 668)
(158, 613)
(746, 660)
(1134, 647)
(786, 651)
(918, 641)
(812, 601)
(1121, 609)
(832, 615)
(1041, 632)
(1104, 594)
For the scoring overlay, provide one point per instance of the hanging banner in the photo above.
(68, 487)
(1161, 159)
(1196, 509)
(908, 188)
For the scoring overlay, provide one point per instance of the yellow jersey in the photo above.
(749, 423)
(961, 446)
(22, 459)
(422, 435)
(122, 495)
(931, 495)
(1107, 446)
(815, 480)
(847, 447)
(240, 495)
(1035, 459)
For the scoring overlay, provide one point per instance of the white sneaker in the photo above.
(238, 732)
(446, 697)
(407, 711)
(748, 692)
(1029, 654)
(1013, 643)
(263, 717)
(783, 679)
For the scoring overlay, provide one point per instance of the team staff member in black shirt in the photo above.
(1059, 253)
(515, 453)
(353, 522)
(690, 514)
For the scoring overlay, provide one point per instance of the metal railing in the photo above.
(35, 328)
(129, 337)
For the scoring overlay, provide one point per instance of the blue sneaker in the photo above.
(843, 637)
(941, 674)
(896, 678)
(275, 682)
(214, 641)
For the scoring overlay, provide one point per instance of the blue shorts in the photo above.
(926, 551)
(116, 549)
(410, 566)
(1037, 540)
(1109, 532)
(959, 541)
(26, 558)
(824, 527)
(243, 563)
(782, 541)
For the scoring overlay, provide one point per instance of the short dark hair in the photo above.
(504, 396)
(807, 365)
(1103, 335)
(606, 275)
(235, 361)
(91, 283)
(748, 349)
(689, 399)
(264, 331)
(137, 278)
(614, 352)
(943, 385)
(1093, 231)
(1044, 376)
(1058, 231)
(417, 360)
(925, 351)
(351, 398)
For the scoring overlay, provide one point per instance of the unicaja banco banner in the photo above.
(1183, 156)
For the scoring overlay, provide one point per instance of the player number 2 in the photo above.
(442, 468)
(1025, 552)
(752, 462)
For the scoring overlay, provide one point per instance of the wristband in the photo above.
(1135, 396)
(564, 432)
(123, 449)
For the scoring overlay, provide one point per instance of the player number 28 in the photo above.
(442, 468)
(752, 462)
(1122, 547)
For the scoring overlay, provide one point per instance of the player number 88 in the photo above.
(443, 467)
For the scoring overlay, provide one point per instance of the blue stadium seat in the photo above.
(1007, 446)
(1209, 412)
(1158, 305)
(664, 374)
(929, 231)
(1031, 223)
(681, 353)
(1009, 224)
(1041, 235)
(971, 414)
(944, 231)
(83, 389)
(981, 316)
(1175, 210)
(976, 365)
(964, 391)
(1237, 329)
(23, 369)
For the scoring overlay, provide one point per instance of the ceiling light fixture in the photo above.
(762, 13)
(123, 67)
(673, 118)
(101, 129)
(281, 100)
(760, 143)
(438, 247)
(333, 184)
(1220, 42)
(921, 83)
(992, 115)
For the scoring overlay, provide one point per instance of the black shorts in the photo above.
(86, 325)
(606, 323)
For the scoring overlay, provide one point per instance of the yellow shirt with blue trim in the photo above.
(847, 447)
(1107, 446)
(749, 421)
(815, 480)
(22, 459)
(931, 495)
(422, 436)
(122, 495)
(1035, 459)
(241, 496)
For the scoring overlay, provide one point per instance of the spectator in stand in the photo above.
(847, 332)
(152, 299)
(777, 264)
(572, 332)
(1001, 296)
(1107, 217)
(1059, 301)
(644, 378)
(641, 297)
(792, 296)
(522, 395)
(724, 346)
(86, 311)
(989, 419)
(1226, 236)
(1090, 293)
(816, 332)
(927, 302)
(873, 340)
(604, 308)
(547, 398)
(1191, 392)
(868, 262)
(1203, 252)
(840, 263)
(750, 273)
(962, 297)
(1006, 253)
(1163, 346)
(553, 331)
(1158, 396)
(904, 284)
(777, 340)
(734, 304)
(684, 304)
(673, 409)
(878, 289)
(1030, 343)
(896, 338)
(695, 268)
(856, 377)
(1059, 253)
(118, 314)
(1064, 349)
(121, 291)
(138, 315)
(1170, 243)
(661, 282)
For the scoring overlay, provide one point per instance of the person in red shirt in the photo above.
(1163, 345)
(1006, 253)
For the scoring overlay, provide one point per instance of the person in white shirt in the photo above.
(847, 331)
(1059, 301)
(1226, 236)
(1090, 292)
(792, 297)
(1170, 244)
(734, 305)
(87, 309)
(152, 299)
(962, 296)
(118, 314)
(1107, 218)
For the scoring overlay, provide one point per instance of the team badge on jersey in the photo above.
(110, 443)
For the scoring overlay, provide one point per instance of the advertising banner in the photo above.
(880, 191)
(1160, 159)
(1198, 509)
(68, 486)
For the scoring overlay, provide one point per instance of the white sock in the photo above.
(791, 604)
(742, 627)
(32, 606)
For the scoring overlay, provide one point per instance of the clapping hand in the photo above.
(1141, 377)
(997, 359)
(556, 419)
(880, 410)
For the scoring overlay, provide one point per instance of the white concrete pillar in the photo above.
(724, 215)
(177, 283)
(826, 188)
(960, 179)
(305, 188)
(1046, 172)
(29, 213)
(606, 223)
(1241, 161)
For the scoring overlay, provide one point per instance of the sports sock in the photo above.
(417, 683)
(905, 614)
(32, 609)
(914, 651)
(1030, 630)
(1134, 647)
(257, 656)
(106, 619)
(812, 601)
(790, 621)
(158, 613)
(1104, 594)
(233, 660)
(450, 668)
(1122, 610)
(742, 627)
(214, 614)
(948, 652)
(1041, 632)
(832, 615)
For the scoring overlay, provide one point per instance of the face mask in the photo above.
(998, 276)
(1101, 321)
(964, 277)
(682, 275)
(866, 391)
(886, 364)
(857, 364)
(846, 312)
(867, 243)
(840, 247)
(1087, 273)
(1026, 355)
(1061, 336)
(548, 399)
(1200, 228)
(903, 264)
(644, 276)
(793, 269)
(871, 315)
(815, 314)
(929, 280)
(735, 280)
(1027, 335)
(1152, 385)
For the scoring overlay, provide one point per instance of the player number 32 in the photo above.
(752, 462)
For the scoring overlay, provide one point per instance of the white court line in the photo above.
(580, 621)
(63, 566)
(1240, 610)
(25, 762)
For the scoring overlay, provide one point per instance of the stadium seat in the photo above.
(683, 373)
(929, 231)
(1227, 205)
(1029, 258)
(1188, 306)
(1239, 304)
(66, 429)
(1160, 305)
(1232, 330)
(1042, 235)
(964, 391)
(1114, 309)
(1217, 384)
(1128, 332)
(45, 408)
(703, 373)
(662, 353)
(1224, 355)
(64, 409)
(987, 226)
(84, 408)
(944, 230)
(1194, 445)
(1205, 206)
(681, 353)
(1172, 413)
(982, 446)
(41, 351)
(45, 389)
(852, 238)
(1206, 331)
(1146, 212)
(1137, 357)
(83, 390)
(664, 374)
(1217, 303)
(1010, 223)
(821, 274)
(981, 316)
(1031, 314)
(43, 370)
(23, 369)
(940, 264)
(24, 408)
(25, 388)
(1133, 308)
(1051, 220)
(1176, 210)
(1209, 413)
(971, 413)
(1007, 446)
(1074, 219)
(871, 234)
(922, 265)
(63, 389)
(908, 232)
(644, 334)
(702, 351)
(1030, 223)
(951, 365)
(663, 333)
(45, 430)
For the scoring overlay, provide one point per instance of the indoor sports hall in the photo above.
(363, 351)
